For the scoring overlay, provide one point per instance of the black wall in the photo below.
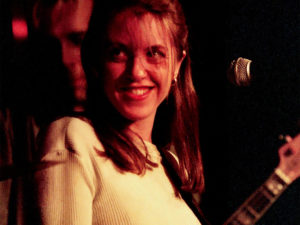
(240, 125)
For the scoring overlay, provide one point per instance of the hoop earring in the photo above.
(174, 81)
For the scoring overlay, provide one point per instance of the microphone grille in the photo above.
(239, 72)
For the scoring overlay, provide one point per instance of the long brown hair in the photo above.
(176, 122)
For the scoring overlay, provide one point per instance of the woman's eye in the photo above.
(117, 55)
(155, 55)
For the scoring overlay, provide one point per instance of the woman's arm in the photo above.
(65, 187)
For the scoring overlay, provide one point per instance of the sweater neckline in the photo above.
(153, 152)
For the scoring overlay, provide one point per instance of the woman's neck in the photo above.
(143, 128)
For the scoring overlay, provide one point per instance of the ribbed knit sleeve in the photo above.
(65, 187)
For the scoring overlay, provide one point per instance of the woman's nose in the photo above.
(138, 71)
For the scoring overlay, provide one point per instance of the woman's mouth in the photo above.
(136, 93)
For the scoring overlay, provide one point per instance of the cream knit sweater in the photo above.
(79, 187)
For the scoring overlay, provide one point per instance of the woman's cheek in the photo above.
(114, 70)
(163, 81)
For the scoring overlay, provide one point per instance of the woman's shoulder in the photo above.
(66, 121)
(69, 133)
(68, 127)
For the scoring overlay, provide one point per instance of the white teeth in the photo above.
(138, 91)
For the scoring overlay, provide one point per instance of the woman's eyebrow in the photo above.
(109, 45)
(158, 47)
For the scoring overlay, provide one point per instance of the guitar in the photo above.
(285, 173)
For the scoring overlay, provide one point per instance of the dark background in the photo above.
(239, 125)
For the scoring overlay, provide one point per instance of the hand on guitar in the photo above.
(289, 155)
(286, 172)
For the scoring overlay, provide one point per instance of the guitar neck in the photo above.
(258, 203)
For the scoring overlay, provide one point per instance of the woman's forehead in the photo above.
(128, 27)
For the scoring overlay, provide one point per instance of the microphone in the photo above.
(239, 72)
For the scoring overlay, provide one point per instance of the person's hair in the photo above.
(176, 123)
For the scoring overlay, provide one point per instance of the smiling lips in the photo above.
(136, 93)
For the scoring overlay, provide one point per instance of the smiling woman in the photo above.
(135, 159)
(139, 68)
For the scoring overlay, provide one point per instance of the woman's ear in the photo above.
(178, 65)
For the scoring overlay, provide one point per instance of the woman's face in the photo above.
(140, 63)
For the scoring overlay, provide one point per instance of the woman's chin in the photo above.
(135, 115)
